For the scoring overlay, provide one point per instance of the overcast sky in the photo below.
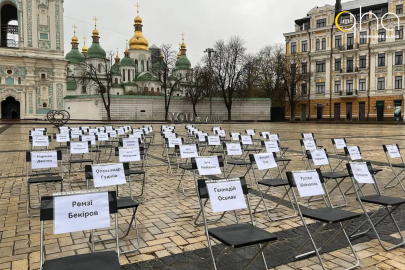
(258, 22)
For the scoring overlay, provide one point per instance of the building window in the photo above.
(400, 9)
(304, 46)
(293, 70)
(142, 66)
(398, 82)
(381, 83)
(320, 88)
(381, 60)
(338, 64)
(19, 80)
(399, 33)
(338, 87)
(116, 81)
(349, 64)
(362, 84)
(350, 41)
(294, 47)
(84, 90)
(129, 75)
(99, 67)
(44, 105)
(349, 86)
(320, 23)
(304, 89)
(338, 41)
(363, 61)
(320, 66)
(136, 66)
(324, 44)
(398, 58)
(304, 68)
(43, 75)
(318, 46)
(363, 37)
(381, 35)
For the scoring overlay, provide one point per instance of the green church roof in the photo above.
(183, 62)
(95, 51)
(146, 76)
(127, 61)
(74, 56)
(115, 69)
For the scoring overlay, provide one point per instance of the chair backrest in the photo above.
(40, 141)
(78, 148)
(233, 149)
(203, 192)
(129, 142)
(141, 151)
(220, 162)
(271, 146)
(392, 151)
(172, 142)
(234, 136)
(89, 172)
(61, 138)
(308, 144)
(88, 138)
(187, 150)
(308, 136)
(353, 152)
(360, 174)
(246, 139)
(213, 140)
(339, 143)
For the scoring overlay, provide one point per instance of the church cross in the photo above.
(137, 7)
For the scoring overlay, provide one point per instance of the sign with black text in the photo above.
(393, 151)
(61, 138)
(40, 141)
(188, 151)
(319, 157)
(129, 154)
(214, 140)
(265, 161)
(79, 147)
(234, 149)
(44, 160)
(361, 173)
(130, 143)
(271, 146)
(309, 144)
(208, 165)
(308, 183)
(226, 195)
(354, 153)
(246, 139)
(340, 143)
(108, 175)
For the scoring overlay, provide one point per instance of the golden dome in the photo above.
(95, 32)
(183, 46)
(75, 39)
(138, 42)
(178, 55)
(138, 20)
(84, 49)
(117, 57)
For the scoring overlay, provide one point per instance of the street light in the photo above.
(210, 51)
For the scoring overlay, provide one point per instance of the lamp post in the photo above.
(209, 51)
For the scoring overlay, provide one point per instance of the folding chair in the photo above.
(320, 158)
(61, 140)
(266, 162)
(273, 146)
(186, 152)
(310, 136)
(107, 260)
(36, 174)
(274, 137)
(236, 150)
(122, 203)
(252, 132)
(214, 142)
(339, 144)
(393, 152)
(77, 151)
(170, 145)
(307, 145)
(360, 174)
(235, 236)
(311, 183)
(150, 134)
(248, 144)
(39, 142)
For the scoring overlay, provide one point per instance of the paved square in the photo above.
(169, 238)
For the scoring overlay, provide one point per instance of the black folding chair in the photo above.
(185, 166)
(235, 236)
(107, 260)
(393, 152)
(389, 204)
(41, 176)
(78, 158)
(339, 144)
(326, 215)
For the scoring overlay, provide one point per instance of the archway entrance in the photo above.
(10, 108)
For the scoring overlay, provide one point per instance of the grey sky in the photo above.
(258, 22)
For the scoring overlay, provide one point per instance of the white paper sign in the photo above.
(40, 141)
(208, 165)
(354, 153)
(40, 129)
(44, 160)
(37, 133)
(234, 149)
(309, 145)
(235, 136)
(393, 151)
(129, 154)
(188, 151)
(64, 132)
(135, 136)
(112, 133)
(60, 138)
(108, 128)
(340, 143)
(89, 138)
(214, 140)
(221, 133)
(250, 132)
(102, 137)
(170, 135)
(130, 143)
(265, 161)
(319, 157)
(308, 184)
(174, 141)
(79, 147)
(271, 146)
(246, 140)
(361, 173)
(226, 196)
(76, 133)
(120, 131)
(265, 134)
(137, 131)
(216, 128)
(108, 175)
(273, 137)
(308, 136)
(82, 212)
(93, 131)
(201, 137)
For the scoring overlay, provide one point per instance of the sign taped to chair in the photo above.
(108, 175)
(129, 154)
(201, 137)
(361, 173)
(37, 133)
(250, 132)
(102, 137)
(354, 153)
(214, 140)
(308, 183)
(89, 138)
(40, 141)
(226, 195)
(272, 146)
(208, 165)
(246, 139)
(79, 147)
(170, 135)
(309, 144)
(120, 131)
(188, 151)
(308, 136)
(112, 133)
(61, 138)
(235, 136)
(234, 149)
(265, 134)
(174, 141)
(393, 151)
(76, 133)
(340, 143)
(319, 157)
(265, 161)
(273, 137)
(130, 143)
(221, 133)
(73, 213)
(44, 160)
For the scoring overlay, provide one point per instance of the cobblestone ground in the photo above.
(169, 238)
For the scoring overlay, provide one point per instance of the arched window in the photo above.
(123, 75)
(152, 89)
(142, 66)
(158, 89)
(145, 89)
(147, 65)
(116, 81)
(9, 25)
(44, 105)
(99, 67)
(43, 76)
(129, 75)
(136, 66)
(84, 90)
(19, 80)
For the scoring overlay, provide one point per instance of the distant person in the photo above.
(348, 116)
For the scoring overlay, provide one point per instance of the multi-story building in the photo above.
(354, 55)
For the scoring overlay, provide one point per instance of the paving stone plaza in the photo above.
(169, 238)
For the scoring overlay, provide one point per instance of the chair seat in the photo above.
(329, 215)
(96, 151)
(283, 159)
(126, 202)
(81, 161)
(241, 235)
(186, 167)
(277, 182)
(136, 172)
(334, 175)
(284, 148)
(45, 179)
(398, 165)
(106, 260)
(252, 149)
(213, 177)
(216, 151)
(382, 200)
(238, 162)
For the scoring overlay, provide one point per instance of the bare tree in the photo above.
(250, 80)
(98, 77)
(196, 83)
(227, 68)
(163, 70)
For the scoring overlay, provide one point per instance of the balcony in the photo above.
(348, 94)
(348, 47)
(9, 36)
(348, 71)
